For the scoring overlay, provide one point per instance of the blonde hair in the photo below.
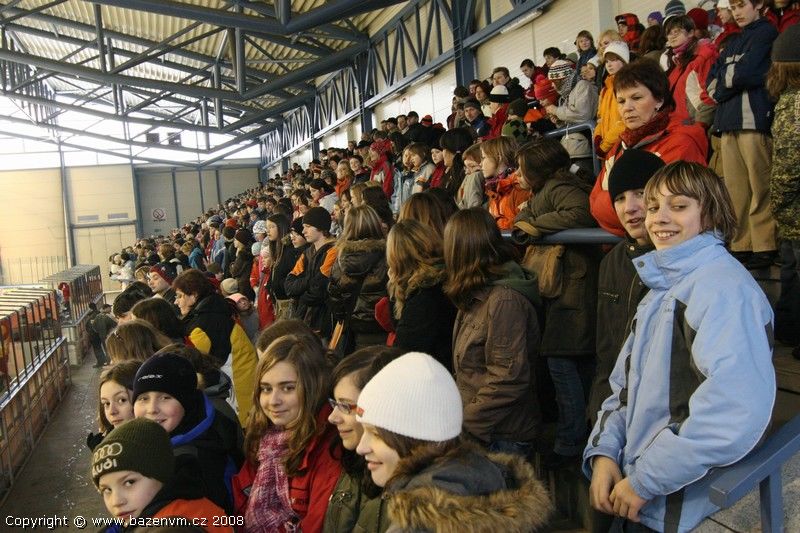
(426, 209)
(414, 257)
(361, 222)
(134, 340)
(702, 184)
(500, 149)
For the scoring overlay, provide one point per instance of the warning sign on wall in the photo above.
(159, 214)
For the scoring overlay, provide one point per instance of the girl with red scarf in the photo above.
(382, 170)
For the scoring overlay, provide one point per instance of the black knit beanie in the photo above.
(169, 373)
(139, 445)
(632, 170)
(318, 217)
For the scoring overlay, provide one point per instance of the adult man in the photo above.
(475, 118)
(501, 76)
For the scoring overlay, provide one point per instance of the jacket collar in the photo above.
(661, 269)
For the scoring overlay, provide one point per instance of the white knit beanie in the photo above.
(414, 396)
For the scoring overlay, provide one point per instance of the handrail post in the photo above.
(771, 496)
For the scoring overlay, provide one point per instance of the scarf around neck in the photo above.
(656, 125)
(269, 507)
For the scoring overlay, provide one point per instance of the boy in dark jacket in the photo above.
(743, 118)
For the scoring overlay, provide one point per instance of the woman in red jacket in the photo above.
(645, 103)
(687, 62)
(292, 463)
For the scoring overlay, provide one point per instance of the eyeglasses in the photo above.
(344, 408)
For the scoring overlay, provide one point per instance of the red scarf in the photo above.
(436, 177)
(269, 507)
(655, 127)
(382, 164)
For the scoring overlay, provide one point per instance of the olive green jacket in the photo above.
(350, 510)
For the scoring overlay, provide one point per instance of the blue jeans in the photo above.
(568, 375)
(523, 449)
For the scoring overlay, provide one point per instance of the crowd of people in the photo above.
(357, 345)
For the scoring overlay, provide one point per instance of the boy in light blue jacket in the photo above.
(694, 385)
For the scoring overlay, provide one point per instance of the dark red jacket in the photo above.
(789, 16)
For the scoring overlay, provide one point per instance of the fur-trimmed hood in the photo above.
(428, 279)
(468, 492)
(359, 258)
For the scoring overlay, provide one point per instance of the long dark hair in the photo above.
(276, 247)
(542, 160)
(456, 141)
(683, 22)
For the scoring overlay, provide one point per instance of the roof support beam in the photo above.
(333, 11)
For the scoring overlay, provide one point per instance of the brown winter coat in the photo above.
(466, 491)
(495, 345)
(570, 319)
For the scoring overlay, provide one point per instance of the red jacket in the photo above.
(309, 491)
(312, 488)
(687, 143)
(688, 83)
(497, 121)
(790, 16)
(212, 517)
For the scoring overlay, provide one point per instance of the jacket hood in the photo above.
(521, 280)
(445, 495)
(358, 258)
(213, 304)
(429, 279)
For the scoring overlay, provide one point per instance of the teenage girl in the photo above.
(292, 466)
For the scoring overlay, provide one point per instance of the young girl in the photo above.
(496, 333)
(355, 503)
(470, 193)
(503, 188)
(134, 340)
(433, 481)
(358, 279)
(561, 201)
(115, 405)
(438, 167)
(698, 361)
(453, 144)
(204, 440)
(423, 316)
(783, 83)
(292, 465)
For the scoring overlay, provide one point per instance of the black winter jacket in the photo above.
(358, 281)
(240, 269)
(426, 324)
(307, 283)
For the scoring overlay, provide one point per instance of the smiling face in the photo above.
(127, 493)
(159, 407)
(381, 459)
(278, 397)
(630, 208)
(116, 402)
(637, 105)
(350, 430)
(672, 219)
(677, 37)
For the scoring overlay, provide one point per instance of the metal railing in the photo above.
(763, 468)
(577, 128)
(575, 236)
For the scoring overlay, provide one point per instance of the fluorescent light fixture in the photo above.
(425, 77)
(536, 13)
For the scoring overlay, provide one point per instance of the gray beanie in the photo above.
(674, 8)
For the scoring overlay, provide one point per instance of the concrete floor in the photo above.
(56, 480)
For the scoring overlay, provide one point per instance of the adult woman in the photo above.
(645, 102)
(355, 504)
(687, 61)
(423, 315)
(482, 91)
(584, 43)
(134, 340)
(210, 326)
(453, 144)
(496, 332)
(559, 202)
(284, 256)
(243, 264)
(358, 278)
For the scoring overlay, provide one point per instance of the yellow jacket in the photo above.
(609, 122)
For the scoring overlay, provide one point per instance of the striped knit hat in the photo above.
(674, 8)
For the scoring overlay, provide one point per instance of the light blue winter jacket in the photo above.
(694, 385)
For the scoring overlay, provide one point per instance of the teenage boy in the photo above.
(134, 471)
(160, 280)
(308, 281)
(619, 288)
(743, 119)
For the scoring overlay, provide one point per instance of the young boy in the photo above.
(694, 385)
(619, 288)
(743, 118)
(134, 470)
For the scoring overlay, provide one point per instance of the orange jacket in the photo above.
(505, 197)
(687, 143)
(609, 122)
